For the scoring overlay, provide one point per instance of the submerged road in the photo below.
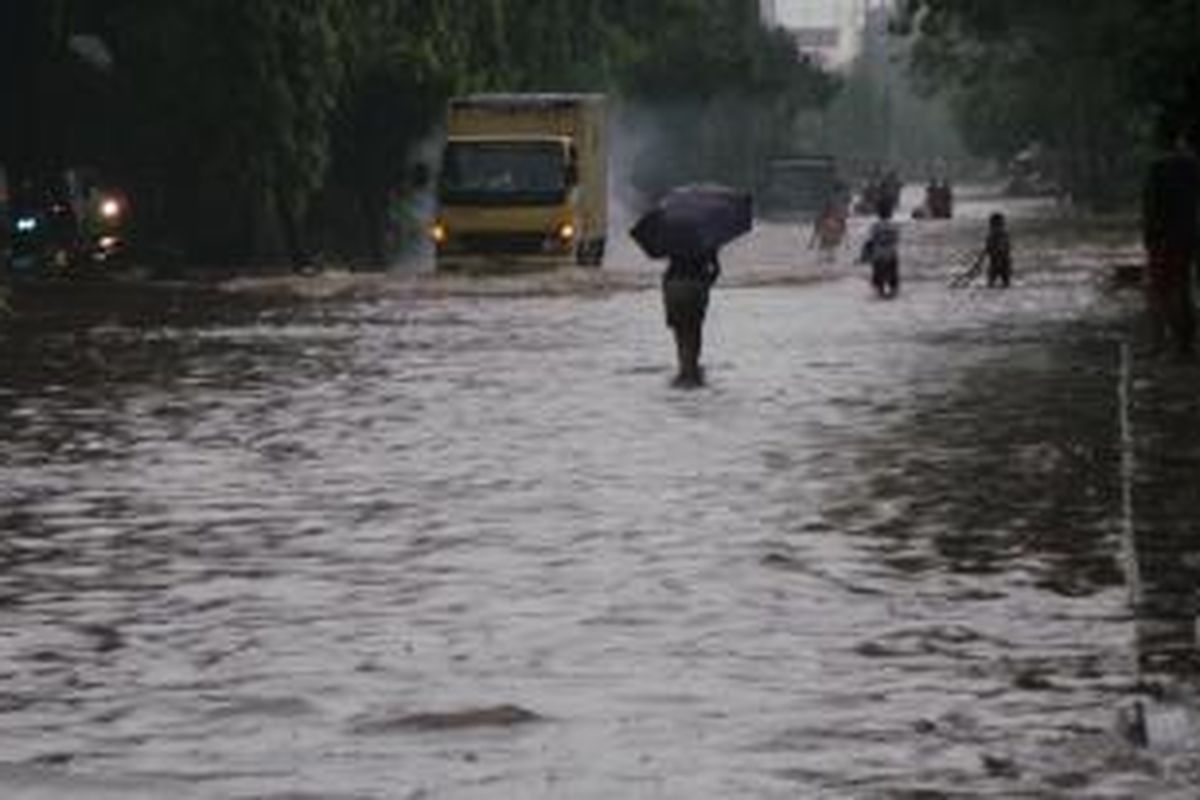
(453, 544)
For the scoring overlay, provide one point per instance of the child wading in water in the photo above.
(829, 228)
(998, 252)
(882, 251)
(996, 255)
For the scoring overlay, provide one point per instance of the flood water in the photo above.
(878, 556)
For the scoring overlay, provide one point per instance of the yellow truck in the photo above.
(524, 181)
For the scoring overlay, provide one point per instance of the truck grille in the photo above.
(506, 243)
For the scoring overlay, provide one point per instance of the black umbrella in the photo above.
(694, 219)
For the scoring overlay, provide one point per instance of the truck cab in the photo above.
(523, 182)
(798, 185)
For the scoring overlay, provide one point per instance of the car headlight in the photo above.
(439, 233)
(110, 208)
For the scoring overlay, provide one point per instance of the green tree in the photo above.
(250, 129)
(51, 98)
(1086, 79)
(717, 92)
(236, 97)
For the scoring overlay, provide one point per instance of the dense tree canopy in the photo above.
(1086, 80)
(253, 127)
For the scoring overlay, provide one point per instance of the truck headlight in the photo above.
(566, 232)
(438, 233)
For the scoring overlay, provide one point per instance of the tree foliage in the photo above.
(1084, 79)
(254, 127)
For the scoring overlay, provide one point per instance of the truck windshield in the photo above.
(494, 173)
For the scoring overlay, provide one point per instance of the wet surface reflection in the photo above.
(424, 546)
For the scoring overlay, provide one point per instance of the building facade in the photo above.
(769, 10)
(830, 31)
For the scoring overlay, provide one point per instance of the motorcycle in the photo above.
(57, 238)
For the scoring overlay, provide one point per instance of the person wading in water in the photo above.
(882, 251)
(1170, 204)
(685, 285)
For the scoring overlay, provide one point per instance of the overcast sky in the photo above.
(842, 14)
(812, 13)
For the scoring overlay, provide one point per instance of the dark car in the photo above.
(64, 222)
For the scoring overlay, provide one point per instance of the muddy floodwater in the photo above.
(460, 544)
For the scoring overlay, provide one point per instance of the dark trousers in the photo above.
(686, 304)
(1169, 296)
(999, 274)
(885, 276)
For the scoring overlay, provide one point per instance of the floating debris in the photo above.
(502, 716)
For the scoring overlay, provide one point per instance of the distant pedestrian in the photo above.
(1170, 232)
(939, 199)
(686, 284)
(882, 251)
(996, 255)
(890, 190)
(998, 252)
(829, 228)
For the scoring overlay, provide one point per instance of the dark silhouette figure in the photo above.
(686, 284)
(882, 251)
(998, 252)
(939, 199)
(996, 255)
(829, 228)
(1170, 203)
(869, 195)
(890, 189)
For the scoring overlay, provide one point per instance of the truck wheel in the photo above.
(590, 254)
(582, 252)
